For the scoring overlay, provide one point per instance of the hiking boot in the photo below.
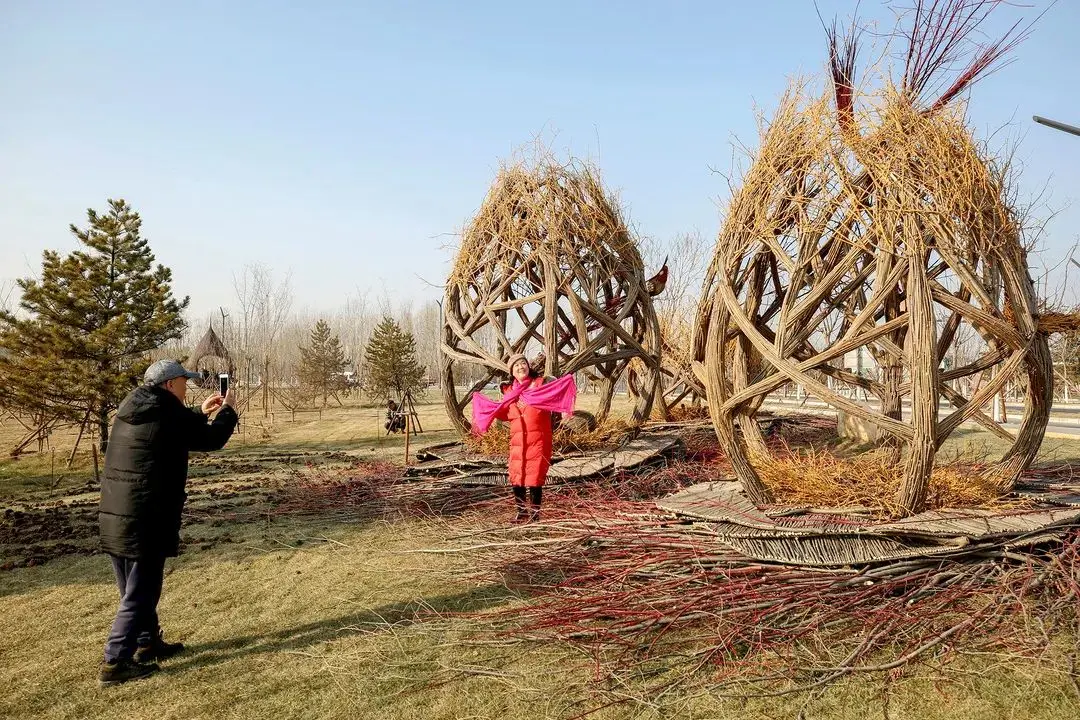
(158, 649)
(123, 670)
(522, 516)
(536, 496)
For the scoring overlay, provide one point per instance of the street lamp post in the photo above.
(1057, 125)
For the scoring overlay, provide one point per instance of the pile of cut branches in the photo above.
(658, 602)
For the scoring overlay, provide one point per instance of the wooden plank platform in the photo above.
(452, 462)
(484, 477)
(826, 537)
(979, 523)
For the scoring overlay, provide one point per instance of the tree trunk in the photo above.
(82, 429)
(103, 428)
(924, 394)
(1040, 397)
(717, 391)
(607, 389)
(891, 407)
(892, 375)
(266, 387)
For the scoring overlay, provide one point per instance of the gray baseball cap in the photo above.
(166, 370)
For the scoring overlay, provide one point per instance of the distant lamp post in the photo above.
(1057, 125)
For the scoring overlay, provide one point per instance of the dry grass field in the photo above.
(341, 617)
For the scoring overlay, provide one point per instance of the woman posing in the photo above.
(527, 404)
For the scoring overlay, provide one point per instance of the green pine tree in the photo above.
(322, 364)
(391, 362)
(88, 323)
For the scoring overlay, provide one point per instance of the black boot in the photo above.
(123, 670)
(536, 494)
(158, 649)
(519, 502)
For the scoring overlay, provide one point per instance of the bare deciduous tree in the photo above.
(687, 257)
(265, 304)
(264, 307)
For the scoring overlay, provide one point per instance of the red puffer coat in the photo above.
(530, 441)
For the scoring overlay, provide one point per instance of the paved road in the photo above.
(1064, 419)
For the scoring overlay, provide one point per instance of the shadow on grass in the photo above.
(381, 619)
(231, 528)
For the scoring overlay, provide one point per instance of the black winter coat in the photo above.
(142, 490)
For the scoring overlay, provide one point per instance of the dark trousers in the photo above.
(136, 623)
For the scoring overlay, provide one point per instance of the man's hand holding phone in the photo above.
(224, 395)
(211, 404)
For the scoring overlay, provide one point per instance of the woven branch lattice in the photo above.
(886, 230)
(678, 383)
(548, 261)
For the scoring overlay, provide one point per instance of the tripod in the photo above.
(402, 416)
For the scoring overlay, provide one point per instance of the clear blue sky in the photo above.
(349, 140)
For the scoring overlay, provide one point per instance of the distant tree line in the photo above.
(78, 336)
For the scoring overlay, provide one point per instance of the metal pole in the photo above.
(1072, 130)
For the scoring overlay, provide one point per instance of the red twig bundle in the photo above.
(843, 52)
(658, 601)
(373, 490)
(941, 36)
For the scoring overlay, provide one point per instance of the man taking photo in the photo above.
(142, 496)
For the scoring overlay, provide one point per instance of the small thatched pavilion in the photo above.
(211, 356)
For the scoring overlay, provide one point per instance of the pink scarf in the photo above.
(558, 396)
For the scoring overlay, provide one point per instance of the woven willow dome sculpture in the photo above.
(548, 264)
(879, 225)
(678, 383)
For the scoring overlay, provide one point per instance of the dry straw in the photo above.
(565, 440)
(819, 478)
